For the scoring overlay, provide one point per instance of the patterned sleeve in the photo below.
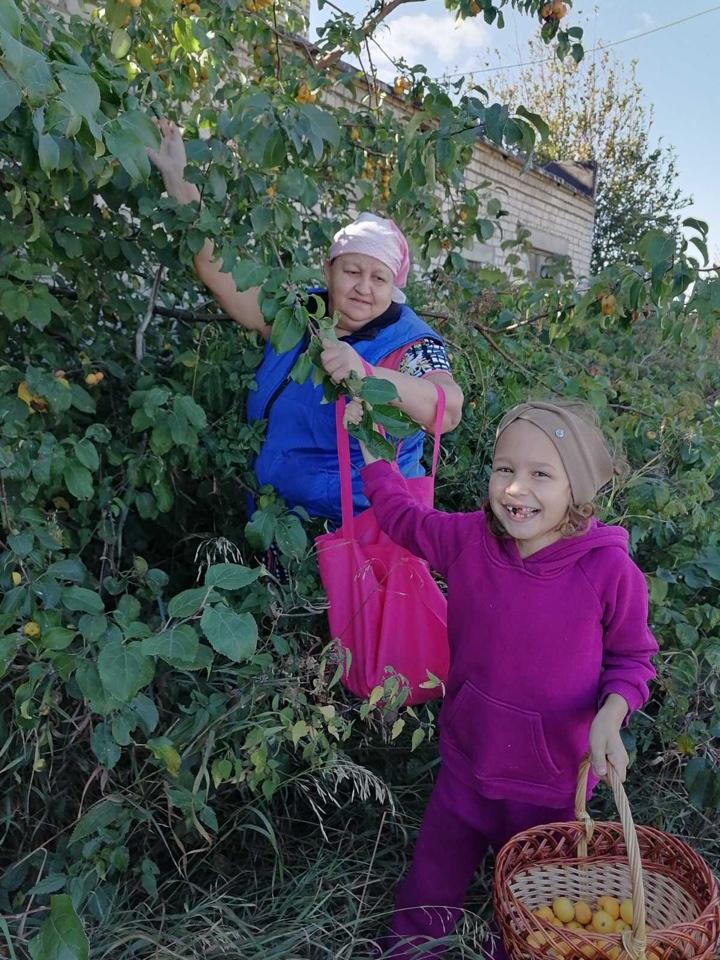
(423, 357)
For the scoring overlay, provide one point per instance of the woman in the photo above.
(367, 265)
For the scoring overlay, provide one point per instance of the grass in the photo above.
(312, 877)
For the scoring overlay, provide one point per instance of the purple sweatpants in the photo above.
(458, 827)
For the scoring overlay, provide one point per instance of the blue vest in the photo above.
(299, 454)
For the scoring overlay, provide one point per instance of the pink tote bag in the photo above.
(385, 609)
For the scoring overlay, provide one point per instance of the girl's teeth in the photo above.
(521, 511)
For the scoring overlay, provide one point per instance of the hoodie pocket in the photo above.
(499, 740)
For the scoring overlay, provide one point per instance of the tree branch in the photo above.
(367, 27)
(487, 334)
(140, 334)
(174, 313)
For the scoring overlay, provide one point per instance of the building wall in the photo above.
(559, 216)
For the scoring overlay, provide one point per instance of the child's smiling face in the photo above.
(529, 488)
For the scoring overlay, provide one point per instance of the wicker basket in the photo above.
(676, 906)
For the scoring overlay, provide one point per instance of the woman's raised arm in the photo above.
(170, 159)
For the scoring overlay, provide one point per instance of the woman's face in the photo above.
(360, 287)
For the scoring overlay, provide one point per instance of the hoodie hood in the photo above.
(554, 559)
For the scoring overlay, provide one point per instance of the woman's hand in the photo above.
(339, 360)
(170, 159)
(605, 740)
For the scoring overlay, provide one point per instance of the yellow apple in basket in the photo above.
(583, 913)
(602, 922)
(626, 911)
(544, 913)
(563, 909)
(609, 905)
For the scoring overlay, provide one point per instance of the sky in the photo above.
(678, 68)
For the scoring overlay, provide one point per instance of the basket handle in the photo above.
(634, 940)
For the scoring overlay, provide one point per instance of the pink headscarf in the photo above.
(380, 238)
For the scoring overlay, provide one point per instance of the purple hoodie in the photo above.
(536, 644)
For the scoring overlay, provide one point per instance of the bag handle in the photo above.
(343, 451)
(634, 940)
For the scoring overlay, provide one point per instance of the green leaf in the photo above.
(178, 646)
(164, 750)
(417, 738)
(128, 138)
(288, 326)
(536, 120)
(693, 224)
(322, 123)
(220, 770)
(93, 626)
(68, 569)
(149, 871)
(120, 43)
(261, 218)
(247, 273)
(376, 390)
(9, 646)
(78, 480)
(260, 530)
(104, 746)
(230, 576)
(657, 247)
(10, 18)
(146, 711)
(189, 601)
(50, 884)
(703, 784)
(82, 599)
(81, 399)
(27, 67)
(232, 634)
(21, 544)
(124, 670)
(38, 313)
(87, 454)
(61, 935)
(394, 420)
(275, 149)
(445, 153)
(299, 729)
(191, 411)
(81, 93)
(56, 638)
(290, 536)
(101, 815)
(48, 153)
(10, 96)
(122, 727)
(496, 116)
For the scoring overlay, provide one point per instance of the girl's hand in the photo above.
(353, 416)
(353, 413)
(339, 360)
(606, 743)
(170, 159)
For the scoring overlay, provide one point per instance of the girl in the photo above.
(549, 650)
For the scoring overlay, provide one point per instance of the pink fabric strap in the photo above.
(343, 451)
